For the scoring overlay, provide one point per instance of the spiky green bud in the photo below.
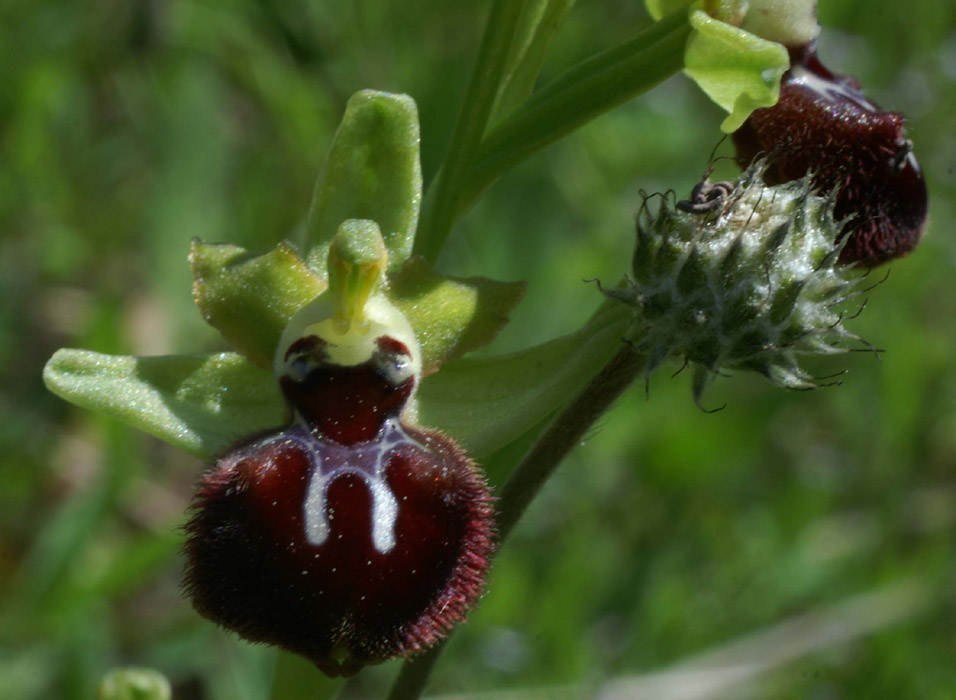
(741, 276)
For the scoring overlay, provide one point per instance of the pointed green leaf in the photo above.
(738, 70)
(372, 172)
(200, 403)
(487, 403)
(250, 299)
(451, 315)
(537, 25)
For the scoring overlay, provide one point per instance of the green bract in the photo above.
(204, 403)
(738, 69)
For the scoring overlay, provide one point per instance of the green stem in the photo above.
(439, 209)
(411, 680)
(550, 449)
(587, 90)
(542, 20)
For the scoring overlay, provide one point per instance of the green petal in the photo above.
(205, 403)
(250, 299)
(200, 403)
(372, 172)
(451, 315)
(487, 403)
(738, 70)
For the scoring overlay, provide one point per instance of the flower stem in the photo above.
(584, 92)
(550, 449)
(564, 432)
(442, 197)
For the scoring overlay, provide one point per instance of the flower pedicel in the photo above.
(351, 535)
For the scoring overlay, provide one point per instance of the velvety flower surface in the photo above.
(823, 124)
(351, 535)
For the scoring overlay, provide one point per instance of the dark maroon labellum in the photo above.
(823, 124)
(347, 537)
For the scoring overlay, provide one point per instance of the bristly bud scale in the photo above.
(740, 276)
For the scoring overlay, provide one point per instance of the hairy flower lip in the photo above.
(342, 604)
(824, 124)
(351, 535)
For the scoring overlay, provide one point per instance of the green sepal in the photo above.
(250, 299)
(199, 403)
(738, 70)
(486, 403)
(372, 172)
(205, 403)
(451, 315)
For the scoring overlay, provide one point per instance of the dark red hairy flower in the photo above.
(824, 124)
(347, 537)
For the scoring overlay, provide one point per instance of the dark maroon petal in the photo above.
(823, 124)
(347, 404)
(368, 587)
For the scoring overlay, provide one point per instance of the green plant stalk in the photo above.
(539, 463)
(441, 203)
(586, 91)
(529, 49)
(582, 93)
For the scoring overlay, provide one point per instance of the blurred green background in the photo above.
(805, 536)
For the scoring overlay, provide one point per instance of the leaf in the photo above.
(738, 70)
(200, 403)
(250, 299)
(451, 315)
(537, 25)
(487, 403)
(372, 172)
(584, 91)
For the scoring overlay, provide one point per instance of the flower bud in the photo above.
(741, 276)
(824, 125)
(352, 535)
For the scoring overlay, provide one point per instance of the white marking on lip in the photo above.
(368, 462)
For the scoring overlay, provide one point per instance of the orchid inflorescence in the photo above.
(343, 516)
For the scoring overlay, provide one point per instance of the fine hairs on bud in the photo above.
(741, 276)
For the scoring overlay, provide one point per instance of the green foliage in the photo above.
(130, 128)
